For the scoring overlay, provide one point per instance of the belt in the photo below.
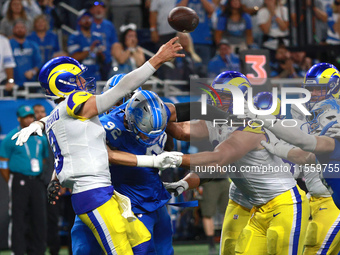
(30, 177)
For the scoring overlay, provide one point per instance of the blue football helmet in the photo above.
(264, 101)
(146, 117)
(234, 78)
(324, 115)
(324, 77)
(113, 81)
(61, 76)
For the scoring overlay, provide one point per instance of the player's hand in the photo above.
(277, 148)
(170, 50)
(176, 187)
(25, 133)
(168, 160)
(53, 192)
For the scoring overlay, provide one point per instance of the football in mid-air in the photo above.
(183, 19)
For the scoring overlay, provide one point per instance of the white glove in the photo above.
(166, 160)
(162, 161)
(25, 133)
(176, 187)
(277, 148)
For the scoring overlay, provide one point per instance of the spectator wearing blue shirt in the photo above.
(26, 54)
(86, 46)
(28, 192)
(127, 54)
(235, 25)
(224, 60)
(107, 31)
(45, 38)
(202, 36)
(51, 12)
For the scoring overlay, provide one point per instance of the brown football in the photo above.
(183, 19)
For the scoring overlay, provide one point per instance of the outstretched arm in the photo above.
(98, 104)
(293, 135)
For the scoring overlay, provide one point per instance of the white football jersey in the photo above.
(79, 147)
(260, 175)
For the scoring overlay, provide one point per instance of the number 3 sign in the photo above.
(255, 65)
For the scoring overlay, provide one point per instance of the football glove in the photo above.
(162, 161)
(278, 148)
(176, 187)
(24, 134)
(53, 193)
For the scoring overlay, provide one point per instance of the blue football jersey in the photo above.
(78, 43)
(141, 184)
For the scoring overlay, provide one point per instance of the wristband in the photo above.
(152, 29)
(10, 80)
(34, 72)
(3, 164)
(145, 161)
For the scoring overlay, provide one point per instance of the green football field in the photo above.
(190, 249)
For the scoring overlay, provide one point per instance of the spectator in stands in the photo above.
(161, 32)
(235, 25)
(283, 65)
(15, 11)
(187, 67)
(252, 7)
(126, 12)
(107, 32)
(47, 7)
(86, 46)
(224, 60)
(301, 62)
(7, 64)
(28, 193)
(215, 198)
(202, 36)
(45, 38)
(31, 7)
(273, 21)
(127, 52)
(26, 54)
(333, 32)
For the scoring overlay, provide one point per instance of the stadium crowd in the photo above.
(109, 38)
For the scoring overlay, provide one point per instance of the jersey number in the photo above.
(58, 158)
(115, 131)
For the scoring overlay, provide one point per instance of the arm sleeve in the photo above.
(294, 135)
(129, 83)
(192, 110)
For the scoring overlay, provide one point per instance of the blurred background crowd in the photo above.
(116, 36)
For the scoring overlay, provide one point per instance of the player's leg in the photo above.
(110, 228)
(149, 221)
(253, 237)
(83, 240)
(163, 233)
(323, 235)
(288, 216)
(235, 219)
